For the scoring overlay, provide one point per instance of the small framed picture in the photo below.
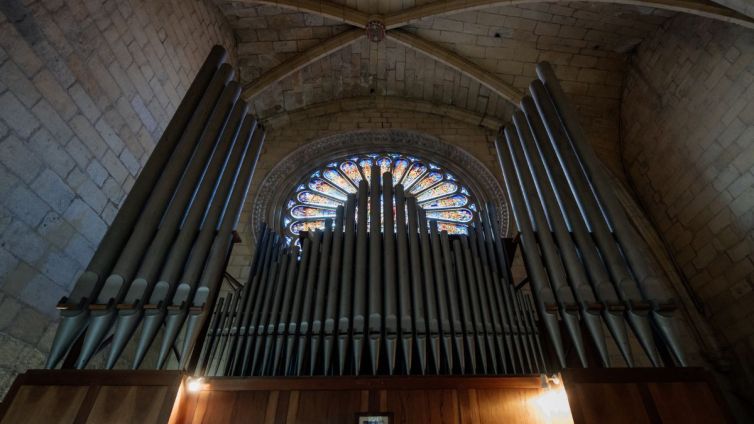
(374, 418)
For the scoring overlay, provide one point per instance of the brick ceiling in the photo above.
(588, 43)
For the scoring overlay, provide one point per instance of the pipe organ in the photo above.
(162, 259)
(409, 299)
(381, 289)
(378, 310)
(417, 301)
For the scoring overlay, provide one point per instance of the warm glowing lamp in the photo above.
(552, 402)
(194, 384)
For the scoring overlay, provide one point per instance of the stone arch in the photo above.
(280, 182)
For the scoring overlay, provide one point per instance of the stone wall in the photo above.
(86, 89)
(688, 146)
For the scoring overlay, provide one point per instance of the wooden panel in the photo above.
(250, 407)
(674, 401)
(614, 403)
(507, 406)
(423, 406)
(220, 406)
(45, 404)
(326, 407)
(468, 408)
(373, 383)
(200, 410)
(131, 404)
(640, 395)
(595, 396)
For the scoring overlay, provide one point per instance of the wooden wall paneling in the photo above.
(251, 407)
(184, 406)
(129, 404)
(328, 407)
(200, 411)
(422, 406)
(593, 402)
(81, 396)
(281, 412)
(641, 395)
(220, 407)
(364, 405)
(448, 406)
(374, 401)
(508, 406)
(272, 406)
(382, 405)
(674, 400)
(468, 409)
(292, 407)
(374, 383)
(45, 404)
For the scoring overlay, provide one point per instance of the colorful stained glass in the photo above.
(384, 164)
(366, 168)
(323, 187)
(457, 215)
(414, 173)
(446, 202)
(452, 228)
(339, 180)
(352, 172)
(311, 198)
(427, 181)
(399, 169)
(300, 226)
(454, 201)
(311, 212)
(441, 189)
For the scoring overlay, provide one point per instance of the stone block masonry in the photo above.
(688, 145)
(86, 89)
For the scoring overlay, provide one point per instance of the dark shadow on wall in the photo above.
(687, 135)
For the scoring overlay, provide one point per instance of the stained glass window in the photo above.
(436, 190)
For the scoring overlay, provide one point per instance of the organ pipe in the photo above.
(390, 293)
(624, 282)
(653, 286)
(148, 244)
(564, 293)
(382, 289)
(552, 182)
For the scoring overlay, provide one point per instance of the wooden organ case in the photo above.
(381, 316)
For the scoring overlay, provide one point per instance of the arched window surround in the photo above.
(440, 193)
(268, 202)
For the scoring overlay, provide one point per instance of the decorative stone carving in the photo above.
(375, 30)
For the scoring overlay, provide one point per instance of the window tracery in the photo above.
(437, 191)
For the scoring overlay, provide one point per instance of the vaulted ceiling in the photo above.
(477, 56)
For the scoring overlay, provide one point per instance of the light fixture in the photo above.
(554, 380)
(194, 384)
(552, 402)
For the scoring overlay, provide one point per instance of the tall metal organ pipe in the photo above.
(382, 273)
(181, 133)
(626, 285)
(545, 298)
(553, 184)
(654, 286)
